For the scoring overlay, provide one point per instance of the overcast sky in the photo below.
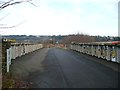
(62, 17)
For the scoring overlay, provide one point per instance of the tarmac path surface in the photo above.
(59, 68)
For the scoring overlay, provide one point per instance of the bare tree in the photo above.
(8, 3)
(78, 38)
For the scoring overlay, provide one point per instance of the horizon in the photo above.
(60, 35)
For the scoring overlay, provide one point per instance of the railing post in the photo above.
(8, 59)
(114, 54)
(108, 54)
(118, 54)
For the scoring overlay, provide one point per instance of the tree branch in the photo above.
(4, 17)
(12, 2)
(6, 27)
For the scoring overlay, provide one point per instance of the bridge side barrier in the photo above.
(118, 54)
(107, 52)
(18, 50)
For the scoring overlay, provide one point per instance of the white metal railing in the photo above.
(109, 52)
(18, 50)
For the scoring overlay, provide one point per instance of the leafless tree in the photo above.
(78, 39)
(6, 3)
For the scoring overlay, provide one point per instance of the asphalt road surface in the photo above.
(59, 68)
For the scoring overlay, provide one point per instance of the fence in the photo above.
(18, 50)
(109, 51)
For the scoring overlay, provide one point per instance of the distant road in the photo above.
(59, 68)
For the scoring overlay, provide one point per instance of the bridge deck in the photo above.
(58, 68)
